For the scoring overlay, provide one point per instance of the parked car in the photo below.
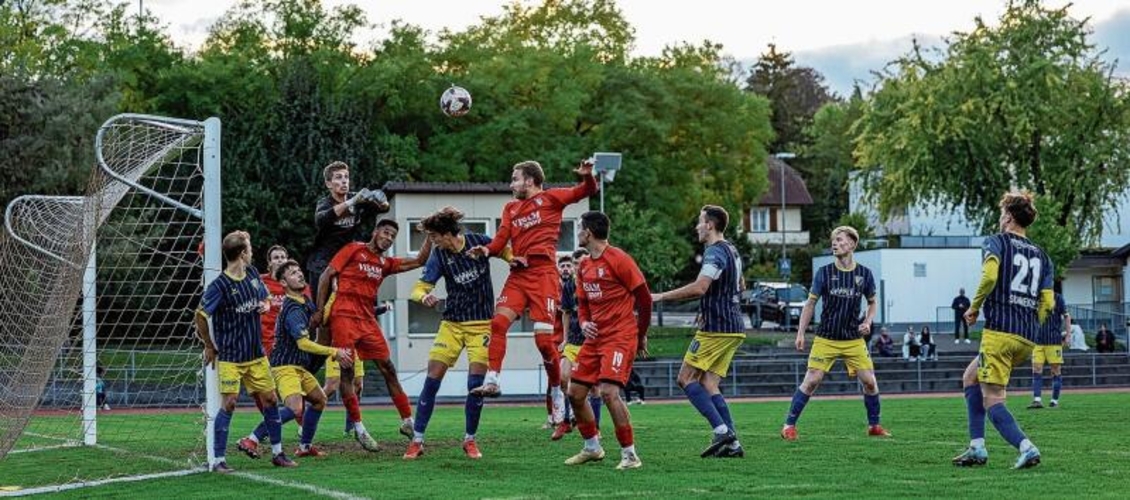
(778, 302)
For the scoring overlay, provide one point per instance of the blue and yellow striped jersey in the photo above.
(720, 306)
(233, 306)
(470, 293)
(292, 324)
(1051, 333)
(842, 291)
(1024, 271)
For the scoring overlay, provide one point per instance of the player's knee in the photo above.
(609, 393)
(387, 369)
(500, 323)
(268, 399)
(229, 404)
(578, 393)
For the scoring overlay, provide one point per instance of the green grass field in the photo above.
(1084, 455)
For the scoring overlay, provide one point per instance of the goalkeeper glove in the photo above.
(361, 196)
(378, 199)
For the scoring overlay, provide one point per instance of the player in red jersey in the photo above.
(531, 223)
(356, 273)
(276, 293)
(615, 327)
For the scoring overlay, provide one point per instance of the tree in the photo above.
(827, 161)
(795, 94)
(1024, 104)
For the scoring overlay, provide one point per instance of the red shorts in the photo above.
(537, 288)
(363, 336)
(605, 360)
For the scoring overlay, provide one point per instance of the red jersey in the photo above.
(533, 225)
(360, 273)
(605, 292)
(276, 293)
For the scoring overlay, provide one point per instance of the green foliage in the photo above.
(826, 161)
(795, 94)
(552, 81)
(1025, 102)
(1060, 242)
(859, 222)
(638, 231)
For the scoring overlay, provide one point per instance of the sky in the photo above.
(843, 40)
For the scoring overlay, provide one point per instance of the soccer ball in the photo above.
(455, 101)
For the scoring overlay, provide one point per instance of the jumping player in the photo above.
(531, 223)
(358, 270)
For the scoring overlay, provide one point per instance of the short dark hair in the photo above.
(597, 223)
(532, 169)
(328, 172)
(445, 221)
(565, 258)
(275, 248)
(234, 244)
(580, 252)
(285, 265)
(717, 216)
(388, 222)
(1021, 206)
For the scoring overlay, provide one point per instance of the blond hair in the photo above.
(848, 230)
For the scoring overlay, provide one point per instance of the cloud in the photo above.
(844, 65)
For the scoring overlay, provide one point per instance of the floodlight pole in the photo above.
(602, 192)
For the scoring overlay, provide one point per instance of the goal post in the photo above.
(109, 282)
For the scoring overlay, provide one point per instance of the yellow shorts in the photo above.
(255, 374)
(713, 352)
(570, 352)
(292, 380)
(453, 337)
(1047, 355)
(1000, 352)
(333, 368)
(825, 353)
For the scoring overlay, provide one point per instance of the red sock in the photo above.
(402, 405)
(352, 407)
(589, 430)
(624, 436)
(499, 325)
(550, 357)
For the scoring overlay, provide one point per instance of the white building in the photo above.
(776, 218)
(411, 327)
(1097, 279)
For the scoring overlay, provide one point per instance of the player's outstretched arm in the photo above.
(693, 290)
(418, 261)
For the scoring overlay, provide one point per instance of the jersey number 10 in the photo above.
(1026, 270)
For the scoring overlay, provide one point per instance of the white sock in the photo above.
(735, 445)
(253, 437)
(468, 437)
(721, 429)
(491, 378)
(1055, 401)
(276, 448)
(220, 459)
(359, 427)
(418, 437)
(977, 443)
(628, 450)
(592, 444)
(1026, 445)
(303, 447)
(407, 420)
(1037, 399)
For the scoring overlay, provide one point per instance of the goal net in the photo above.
(100, 371)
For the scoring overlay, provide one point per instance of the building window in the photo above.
(568, 240)
(416, 236)
(759, 220)
(424, 319)
(919, 269)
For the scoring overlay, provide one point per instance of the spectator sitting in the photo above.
(1078, 341)
(1104, 340)
(929, 348)
(885, 345)
(635, 386)
(911, 349)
